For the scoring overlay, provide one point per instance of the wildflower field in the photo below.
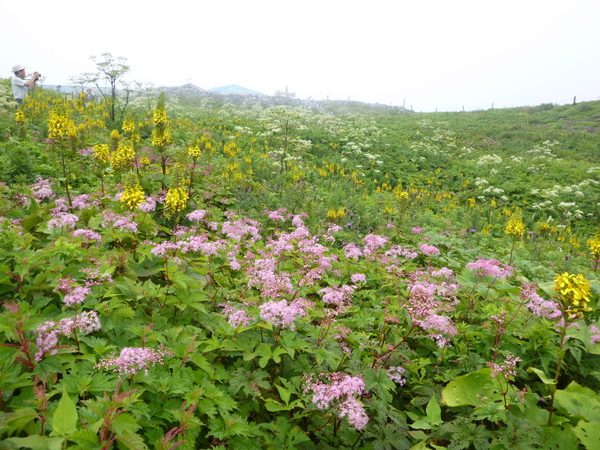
(199, 274)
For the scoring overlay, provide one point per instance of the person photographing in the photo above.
(20, 85)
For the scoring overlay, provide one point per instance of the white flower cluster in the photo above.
(489, 159)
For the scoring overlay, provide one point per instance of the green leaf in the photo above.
(202, 363)
(85, 439)
(284, 434)
(467, 389)
(284, 393)
(64, 420)
(433, 416)
(380, 383)
(36, 442)
(559, 438)
(434, 412)
(584, 334)
(540, 373)
(579, 402)
(588, 433)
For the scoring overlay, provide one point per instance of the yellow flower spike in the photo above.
(101, 153)
(194, 151)
(594, 246)
(515, 228)
(128, 126)
(176, 200)
(574, 291)
(132, 197)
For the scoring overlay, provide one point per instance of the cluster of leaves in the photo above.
(302, 292)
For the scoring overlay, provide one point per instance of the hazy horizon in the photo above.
(427, 55)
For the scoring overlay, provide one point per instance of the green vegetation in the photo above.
(200, 274)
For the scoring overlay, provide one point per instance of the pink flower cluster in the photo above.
(340, 390)
(358, 278)
(42, 189)
(123, 222)
(75, 294)
(352, 251)
(538, 305)
(147, 206)
(276, 215)
(236, 316)
(62, 219)
(197, 215)
(242, 228)
(373, 242)
(429, 250)
(88, 235)
(510, 363)
(283, 314)
(430, 295)
(337, 296)
(49, 331)
(272, 283)
(132, 360)
(84, 201)
(492, 268)
(396, 374)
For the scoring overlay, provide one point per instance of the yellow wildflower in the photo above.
(57, 125)
(594, 246)
(176, 200)
(123, 157)
(20, 116)
(194, 151)
(230, 149)
(101, 153)
(132, 196)
(161, 138)
(128, 125)
(160, 116)
(515, 227)
(574, 291)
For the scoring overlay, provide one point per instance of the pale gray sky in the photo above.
(444, 54)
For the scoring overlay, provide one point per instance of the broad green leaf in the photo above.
(583, 333)
(434, 412)
(202, 363)
(284, 393)
(543, 377)
(467, 389)
(85, 439)
(559, 438)
(36, 442)
(64, 420)
(589, 434)
(579, 402)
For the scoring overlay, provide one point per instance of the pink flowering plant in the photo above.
(282, 278)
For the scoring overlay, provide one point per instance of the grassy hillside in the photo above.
(202, 274)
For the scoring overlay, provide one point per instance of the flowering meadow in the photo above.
(209, 275)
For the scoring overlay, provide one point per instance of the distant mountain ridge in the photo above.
(235, 89)
(244, 96)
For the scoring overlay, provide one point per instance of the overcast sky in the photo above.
(428, 54)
